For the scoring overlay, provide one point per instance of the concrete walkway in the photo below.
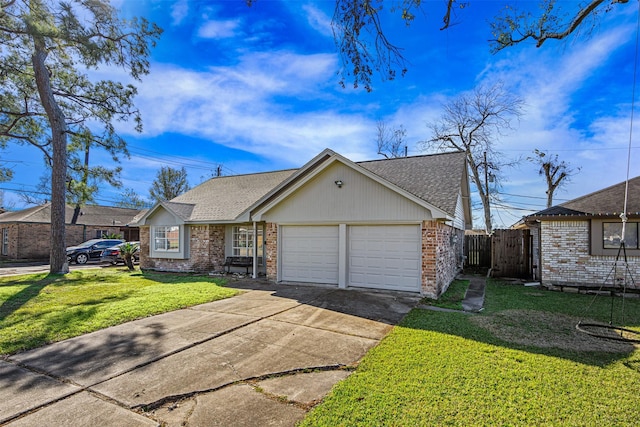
(474, 297)
(261, 358)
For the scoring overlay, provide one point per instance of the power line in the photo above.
(531, 197)
(574, 149)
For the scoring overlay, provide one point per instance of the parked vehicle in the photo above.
(91, 250)
(113, 255)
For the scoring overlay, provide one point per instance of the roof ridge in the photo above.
(598, 191)
(249, 174)
(411, 157)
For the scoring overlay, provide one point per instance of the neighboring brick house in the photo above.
(26, 234)
(577, 242)
(388, 224)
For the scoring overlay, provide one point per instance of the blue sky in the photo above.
(256, 89)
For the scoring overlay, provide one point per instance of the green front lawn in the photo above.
(38, 309)
(520, 362)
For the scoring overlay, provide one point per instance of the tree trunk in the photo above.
(482, 191)
(76, 214)
(57, 256)
(128, 260)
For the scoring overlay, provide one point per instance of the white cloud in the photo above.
(179, 11)
(219, 29)
(252, 106)
(318, 20)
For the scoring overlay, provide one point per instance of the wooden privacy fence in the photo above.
(477, 251)
(506, 252)
(511, 253)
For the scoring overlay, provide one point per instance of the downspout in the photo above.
(255, 250)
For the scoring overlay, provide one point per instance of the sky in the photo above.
(253, 89)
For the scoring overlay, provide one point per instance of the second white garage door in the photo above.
(309, 254)
(385, 257)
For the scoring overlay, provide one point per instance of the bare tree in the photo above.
(391, 140)
(557, 173)
(472, 123)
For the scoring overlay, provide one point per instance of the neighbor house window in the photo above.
(612, 235)
(5, 241)
(243, 242)
(166, 238)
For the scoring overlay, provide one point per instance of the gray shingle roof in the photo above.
(89, 215)
(434, 178)
(606, 202)
(224, 198)
(609, 200)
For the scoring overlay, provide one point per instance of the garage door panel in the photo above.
(385, 257)
(309, 254)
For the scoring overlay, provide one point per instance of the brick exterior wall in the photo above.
(206, 251)
(441, 257)
(32, 240)
(271, 241)
(566, 259)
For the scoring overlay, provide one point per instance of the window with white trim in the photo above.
(166, 238)
(612, 235)
(5, 241)
(242, 242)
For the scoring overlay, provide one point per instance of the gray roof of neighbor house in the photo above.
(89, 215)
(224, 198)
(606, 202)
(435, 179)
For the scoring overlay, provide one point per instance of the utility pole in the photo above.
(486, 183)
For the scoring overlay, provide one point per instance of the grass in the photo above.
(38, 309)
(452, 298)
(520, 362)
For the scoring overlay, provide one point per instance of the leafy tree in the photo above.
(472, 123)
(6, 174)
(111, 236)
(557, 173)
(169, 184)
(391, 140)
(47, 98)
(132, 200)
(83, 181)
(551, 22)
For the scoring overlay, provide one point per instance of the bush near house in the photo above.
(521, 362)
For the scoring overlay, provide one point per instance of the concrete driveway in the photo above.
(261, 358)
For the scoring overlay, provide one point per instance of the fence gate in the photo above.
(511, 253)
(477, 251)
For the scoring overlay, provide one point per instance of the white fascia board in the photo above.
(247, 216)
(143, 219)
(158, 206)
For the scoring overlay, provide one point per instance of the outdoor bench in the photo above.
(238, 261)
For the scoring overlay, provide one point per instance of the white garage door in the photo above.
(309, 254)
(385, 257)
